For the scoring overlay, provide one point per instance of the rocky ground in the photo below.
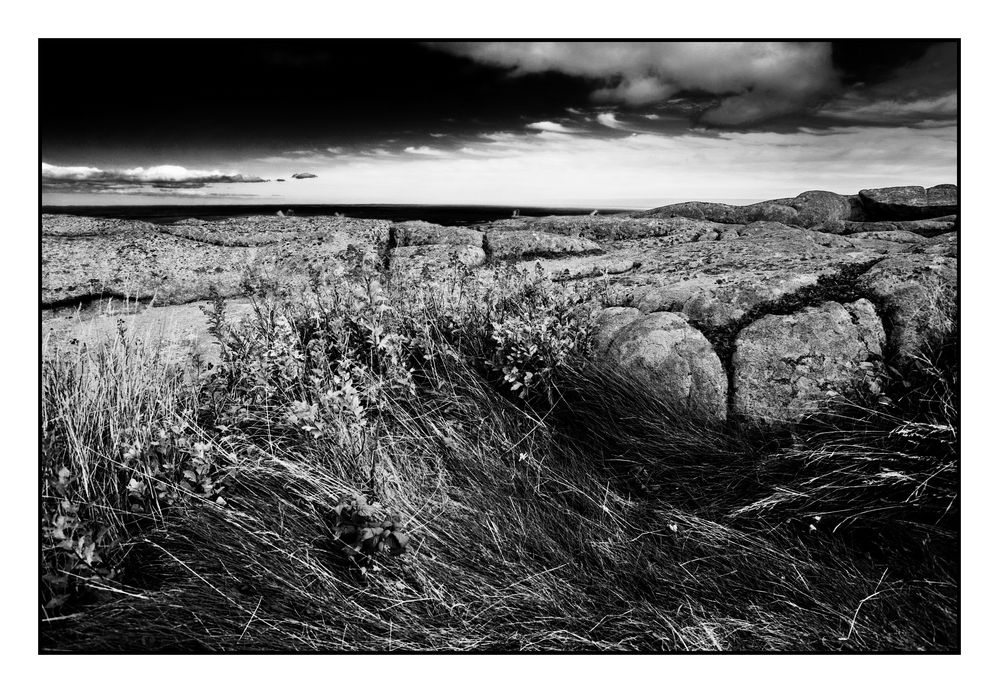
(767, 311)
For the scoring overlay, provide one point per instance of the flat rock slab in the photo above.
(909, 202)
(919, 294)
(922, 227)
(141, 260)
(424, 233)
(268, 230)
(521, 244)
(583, 267)
(788, 366)
(673, 357)
(172, 269)
(142, 264)
(68, 225)
(893, 235)
(716, 283)
(181, 332)
(610, 228)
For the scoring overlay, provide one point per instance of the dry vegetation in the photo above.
(543, 503)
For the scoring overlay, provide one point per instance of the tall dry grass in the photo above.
(586, 516)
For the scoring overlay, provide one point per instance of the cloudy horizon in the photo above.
(514, 123)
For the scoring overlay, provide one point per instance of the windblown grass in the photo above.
(586, 515)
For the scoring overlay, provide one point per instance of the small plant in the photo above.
(170, 469)
(537, 328)
(73, 548)
(362, 532)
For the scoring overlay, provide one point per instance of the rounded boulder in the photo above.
(675, 359)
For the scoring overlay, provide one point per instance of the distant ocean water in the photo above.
(447, 215)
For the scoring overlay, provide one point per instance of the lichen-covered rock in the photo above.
(767, 262)
(416, 258)
(516, 244)
(892, 235)
(945, 245)
(919, 293)
(787, 366)
(909, 202)
(69, 225)
(424, 233)
(674, 358)
(609, 323)
(776, 230)
(600, 267)
(715, 305)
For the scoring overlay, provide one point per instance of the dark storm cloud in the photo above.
(270, 96)
(89, 178)
(921, 89)
(756, 81)
(748, 85)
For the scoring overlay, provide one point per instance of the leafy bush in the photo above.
(520, 327)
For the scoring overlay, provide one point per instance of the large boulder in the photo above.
(788, 366)
(909, 202)
(674, 358)
(817, 207)
(919, 294)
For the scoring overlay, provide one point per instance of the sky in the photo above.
(587, 124)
